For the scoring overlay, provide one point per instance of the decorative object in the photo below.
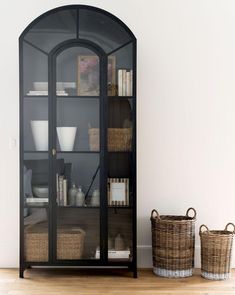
(40, 86)
(66, 136)
(119, 139)
(118, 191)
(216, 250)
(40, 191)
(72, 194)
(110, 243)
(40, 134)
(70, 242)
(95, 199)
(79, 197)
(27, 187)
(88, 75)
(119, 243)
(178, 231)
(112, 87)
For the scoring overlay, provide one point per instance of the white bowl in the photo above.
(40, 191)
(40, 86)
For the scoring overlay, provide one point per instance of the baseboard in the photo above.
(145, 257)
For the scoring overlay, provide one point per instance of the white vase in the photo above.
(40, 134)
(66, 136)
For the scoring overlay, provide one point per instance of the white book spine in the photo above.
(120, 82)
(131, 82)
(65, 192)
(128, 83)
(124, 82)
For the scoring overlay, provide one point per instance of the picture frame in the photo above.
(88, 75)
(118, 191)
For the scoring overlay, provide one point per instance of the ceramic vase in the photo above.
(66, 136)
(80, 197)
(40, 134)
(95, 199)
(72, 194)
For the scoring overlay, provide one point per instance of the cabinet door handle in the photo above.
(53, 152)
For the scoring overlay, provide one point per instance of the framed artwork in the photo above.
(88, 83)
(88, 80)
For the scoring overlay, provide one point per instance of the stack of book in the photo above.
(45, 93)
(36, 201)
(125, 82)
(114, 254)
(62, 190)
(118, 192)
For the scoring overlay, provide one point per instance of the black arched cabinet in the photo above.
(77, 140)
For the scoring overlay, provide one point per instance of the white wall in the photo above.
(186, 110)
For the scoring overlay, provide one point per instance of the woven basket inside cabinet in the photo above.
(119, 139)
(216, 249)
(70, 242)
(173, 240)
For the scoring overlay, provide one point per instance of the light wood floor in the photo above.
(68, 282)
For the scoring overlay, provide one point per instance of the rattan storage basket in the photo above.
(173, 240)
(216, 250)
(70, 243)
(119, 139)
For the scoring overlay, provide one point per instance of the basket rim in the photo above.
(217, 232)
(170, 218)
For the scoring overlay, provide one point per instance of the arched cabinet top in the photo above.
(78, 22)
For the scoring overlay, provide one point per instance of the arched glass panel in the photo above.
(101, 29)
(53, 29)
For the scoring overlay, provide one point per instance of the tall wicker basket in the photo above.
(173, 240)
(216, 249)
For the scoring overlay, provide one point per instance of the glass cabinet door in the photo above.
(121, 155)
(35, 190)
(78, 158)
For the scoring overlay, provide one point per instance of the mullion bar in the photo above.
(37, 48)
(120, 47)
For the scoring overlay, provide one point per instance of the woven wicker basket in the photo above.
(216, 249)
(173, 240)
(119, 139)
(70, 243)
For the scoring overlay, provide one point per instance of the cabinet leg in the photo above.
(135, 274)
(21, 273)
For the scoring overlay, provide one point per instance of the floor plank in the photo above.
(113, 282)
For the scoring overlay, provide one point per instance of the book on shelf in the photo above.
(62, 190)
(118, 192)
(125, 82)
(115, 254)
(45, 92)
(36, 200)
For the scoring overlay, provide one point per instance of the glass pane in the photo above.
(35, 72)
(119, 125)
(53, 29)
(36, 198)
(120, 72)
(83, 116)
(78, 200)
(120, 234)
(102, 30)
(78, 72)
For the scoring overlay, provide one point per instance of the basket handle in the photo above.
(194, 211)
(154, 212)
(200, 229)
(230, 223)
